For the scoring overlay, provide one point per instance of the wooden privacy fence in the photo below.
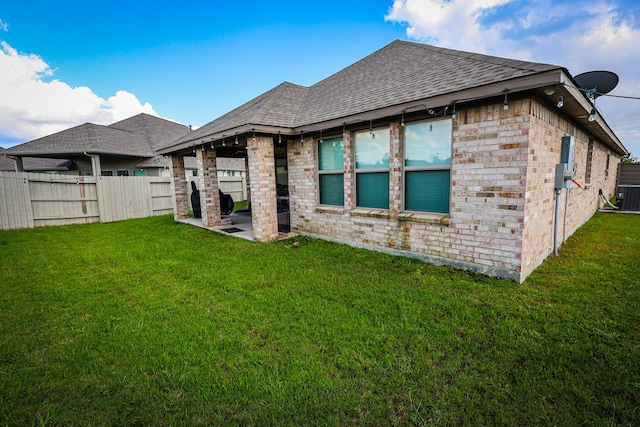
(30, 200)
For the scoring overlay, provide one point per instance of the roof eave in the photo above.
(63, 154)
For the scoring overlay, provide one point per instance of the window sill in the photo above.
(425, 218)
(328, 209)
(370, 213)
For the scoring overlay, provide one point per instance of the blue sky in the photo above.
(69, 62)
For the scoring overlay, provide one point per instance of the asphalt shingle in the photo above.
(399, 73)
(138, 136)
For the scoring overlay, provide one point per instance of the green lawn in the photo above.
(150, 322)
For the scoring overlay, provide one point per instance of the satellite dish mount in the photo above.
(595, 84)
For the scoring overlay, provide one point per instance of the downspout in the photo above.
(95, 163)
(564, 221)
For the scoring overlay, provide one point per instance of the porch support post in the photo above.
(208, 186)
(262, 178)
(179, 187)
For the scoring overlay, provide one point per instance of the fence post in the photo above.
(100, 200)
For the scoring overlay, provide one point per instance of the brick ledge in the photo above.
(424, 218)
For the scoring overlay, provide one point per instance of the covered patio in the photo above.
(267, 216)
(237, 224)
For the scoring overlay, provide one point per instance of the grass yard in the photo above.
(150, 322)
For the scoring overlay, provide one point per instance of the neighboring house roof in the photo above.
(35, 164)
(385, 83)
(158, 131)
(32, 164)
(137, 136)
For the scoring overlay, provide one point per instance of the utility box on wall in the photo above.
(565, 170)
(567, 149)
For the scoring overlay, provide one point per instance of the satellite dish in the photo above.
(597, 83)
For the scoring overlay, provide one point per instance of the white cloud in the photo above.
(452, 23)
(579, 36)
(31, 106)
(4, 26)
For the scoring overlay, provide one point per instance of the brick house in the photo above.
(443, 155)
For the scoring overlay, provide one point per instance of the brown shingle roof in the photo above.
(137, 136)
(404, 72)
(159, 132)
(34, 164)
(399, 73)
(276, 107)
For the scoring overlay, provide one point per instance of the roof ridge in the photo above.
(475, 56)
(270, 100)
(283, 89)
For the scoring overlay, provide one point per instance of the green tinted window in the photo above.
(373, 190)
(332, 189)
(427, 191)
(427, 161)
(331, 154)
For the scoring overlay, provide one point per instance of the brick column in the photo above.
(208, 186)
(262, 177)
(349, 174)
(395, 172)
(179, 187)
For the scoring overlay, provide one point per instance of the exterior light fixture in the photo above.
(224, 144)
(560, 103)
(373, 136)
(402, 119)
(506, 101)
(321, 141)
(592, 116)
(453, 112)
(236, 141)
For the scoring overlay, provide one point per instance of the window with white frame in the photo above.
(331, 171)
(372, 168)
(427, 166)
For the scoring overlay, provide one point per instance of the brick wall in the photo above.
(484, 228)
(547, 131)
(500, 160)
